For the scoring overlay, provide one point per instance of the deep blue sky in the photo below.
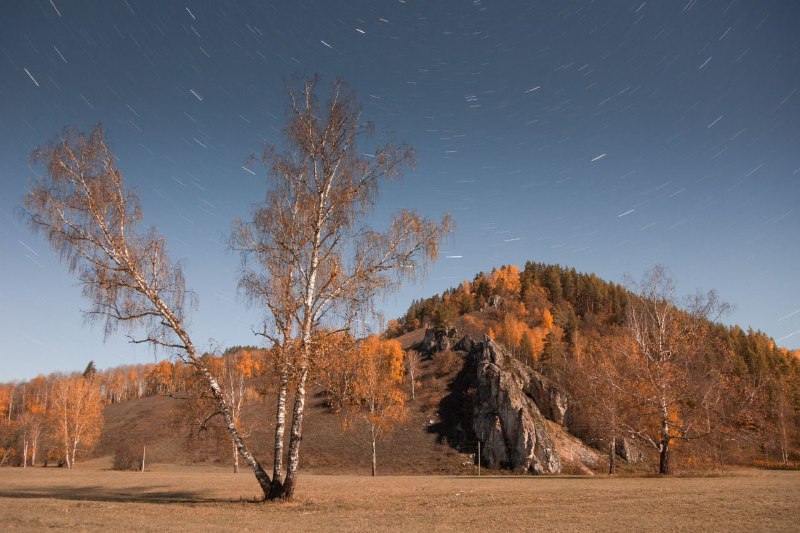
(608, 136)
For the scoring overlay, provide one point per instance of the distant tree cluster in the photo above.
(63, 413)
(50, 419)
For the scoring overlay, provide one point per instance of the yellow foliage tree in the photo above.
(160, 376)
(76, 414)
(547, 320)
(377, 395)
(235, 372)
(505, 280)
(5, 399)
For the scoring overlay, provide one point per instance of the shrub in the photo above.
(125, 458)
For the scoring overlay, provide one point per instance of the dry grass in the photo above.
(209, 498)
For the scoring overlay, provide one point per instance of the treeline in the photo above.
(642, 364)
(363, 379)
(52, 418)
(49, 419)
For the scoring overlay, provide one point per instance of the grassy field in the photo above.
(208, 498)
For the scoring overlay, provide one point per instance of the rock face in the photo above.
(437, 340)
(552, 401)
(495, 302)
(628, 450)
(507, 420)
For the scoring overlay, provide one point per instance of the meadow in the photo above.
(210, 498)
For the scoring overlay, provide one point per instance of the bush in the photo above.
(126, 458)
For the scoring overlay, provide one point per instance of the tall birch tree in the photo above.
(315, 260)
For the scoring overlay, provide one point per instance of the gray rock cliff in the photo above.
(508, 422)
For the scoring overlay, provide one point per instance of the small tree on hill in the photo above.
(377, 397)
(413, 362)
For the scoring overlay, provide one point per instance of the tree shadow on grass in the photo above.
(98, 493)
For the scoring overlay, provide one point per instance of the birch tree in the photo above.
(317, 262)
(413, 362)
(87, 214)
(76, 415)
(378, 398)
(675, 377)
(596, 377)
(32, 420)
(233, 372)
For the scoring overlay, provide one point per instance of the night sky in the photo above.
(608, 136)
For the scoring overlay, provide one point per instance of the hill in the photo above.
(436, 437)
(558, 387)
(638, 364)
(329, 448)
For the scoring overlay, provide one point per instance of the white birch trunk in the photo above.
(235, 458)
(295, 436)
(74, 451)
(308, 323)
(374, 451)
(280, 430)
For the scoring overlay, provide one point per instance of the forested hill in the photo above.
(596, 338)
(568, 302)
(635, 366)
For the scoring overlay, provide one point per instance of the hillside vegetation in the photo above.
(734, 397)
(640, 364)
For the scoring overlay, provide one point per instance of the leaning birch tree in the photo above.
(309, 238)
(87, 214)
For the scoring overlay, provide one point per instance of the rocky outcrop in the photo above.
(495, 301)
(436, 340)
(466, 344)
(507, 421)
(576, 456)
(552, 401)
(629, 451)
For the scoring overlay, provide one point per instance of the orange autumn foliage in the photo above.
(364, 379)
(76, 416)
(505, 280)
(5, 396)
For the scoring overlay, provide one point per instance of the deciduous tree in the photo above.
(675, 366)
(76, 416)
(235, 374)
(310, 231)
(377, 397)
(413, 362)
(87, 214)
